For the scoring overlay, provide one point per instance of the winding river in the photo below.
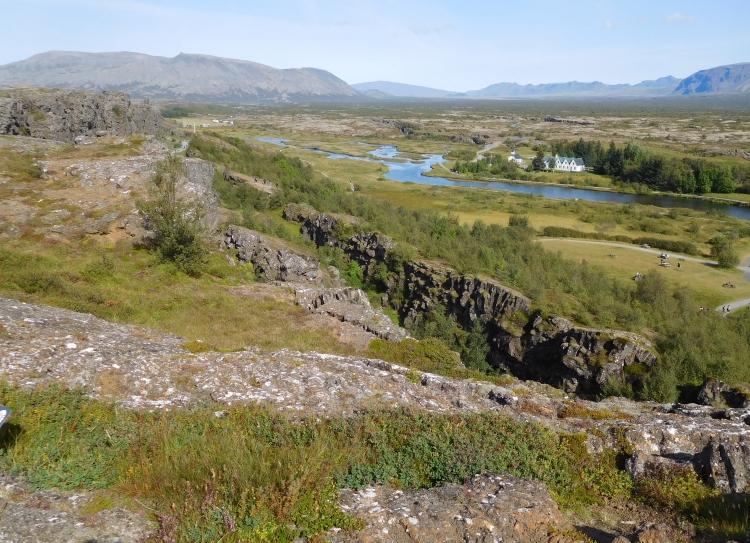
(413, 171)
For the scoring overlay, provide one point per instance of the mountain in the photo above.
(734, 79)
(662, 82)
(377, 93)
(660, 86)
(403, 90)
(191, 77)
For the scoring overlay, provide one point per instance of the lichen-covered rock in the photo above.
(65, 114)
(48, 516)
(349, 305)
(141, 367)
(726, 466)
(271, 258)
(488, 508)
(199, 187)
(718, 394)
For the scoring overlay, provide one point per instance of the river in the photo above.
(413, 171)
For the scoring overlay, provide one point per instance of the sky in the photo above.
(447, 44)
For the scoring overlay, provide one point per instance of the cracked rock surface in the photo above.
(489, 508)
(141, 367)
(47, 516)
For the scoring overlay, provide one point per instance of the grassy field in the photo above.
(704, 279)
(121, 284)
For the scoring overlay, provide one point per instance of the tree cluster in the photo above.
(636, 163)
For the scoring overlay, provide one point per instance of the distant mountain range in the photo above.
(402, 90)
(191, 77)
(664, 85)
(214, 79)
(734, 78)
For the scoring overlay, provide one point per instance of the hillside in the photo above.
(186, 76)
(402, 90)
(734, 78)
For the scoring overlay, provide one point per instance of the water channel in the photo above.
(412, 171)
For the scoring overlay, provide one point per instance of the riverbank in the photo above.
(444, 172)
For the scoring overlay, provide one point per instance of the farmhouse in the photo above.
(565, 164)
(515, 157)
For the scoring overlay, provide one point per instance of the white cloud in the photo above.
(679, 18)
(609, 25)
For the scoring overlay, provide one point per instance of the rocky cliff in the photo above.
(550, 350)
(64, 114)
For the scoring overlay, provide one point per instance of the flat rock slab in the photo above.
(43, 516)
(142, 367)
(489, 508)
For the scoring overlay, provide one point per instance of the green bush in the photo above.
(722, 249)
(178, 233)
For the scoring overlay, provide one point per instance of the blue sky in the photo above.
(450, 44)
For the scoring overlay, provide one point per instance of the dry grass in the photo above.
(123, 285)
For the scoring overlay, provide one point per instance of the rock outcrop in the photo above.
(575, 359)
(33, 516)
(349, 305)
(550, 350)
(489, 507)
(271, 259)
(198, 186)
(65, 114)
(79, 196)
(718, 394)
(142, 367)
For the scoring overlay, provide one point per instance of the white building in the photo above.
(515, 157)
(565, 164)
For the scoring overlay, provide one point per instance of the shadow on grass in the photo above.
(9, 434)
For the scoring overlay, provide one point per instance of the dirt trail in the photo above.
(488, 147)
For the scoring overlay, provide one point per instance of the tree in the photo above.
(724, 181)
(538, 162)
(722, 249)
(476, 348)
(178, 233)
(615, 160)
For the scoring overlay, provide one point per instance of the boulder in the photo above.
(726, 466)
(655, 533)
(718, 394)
